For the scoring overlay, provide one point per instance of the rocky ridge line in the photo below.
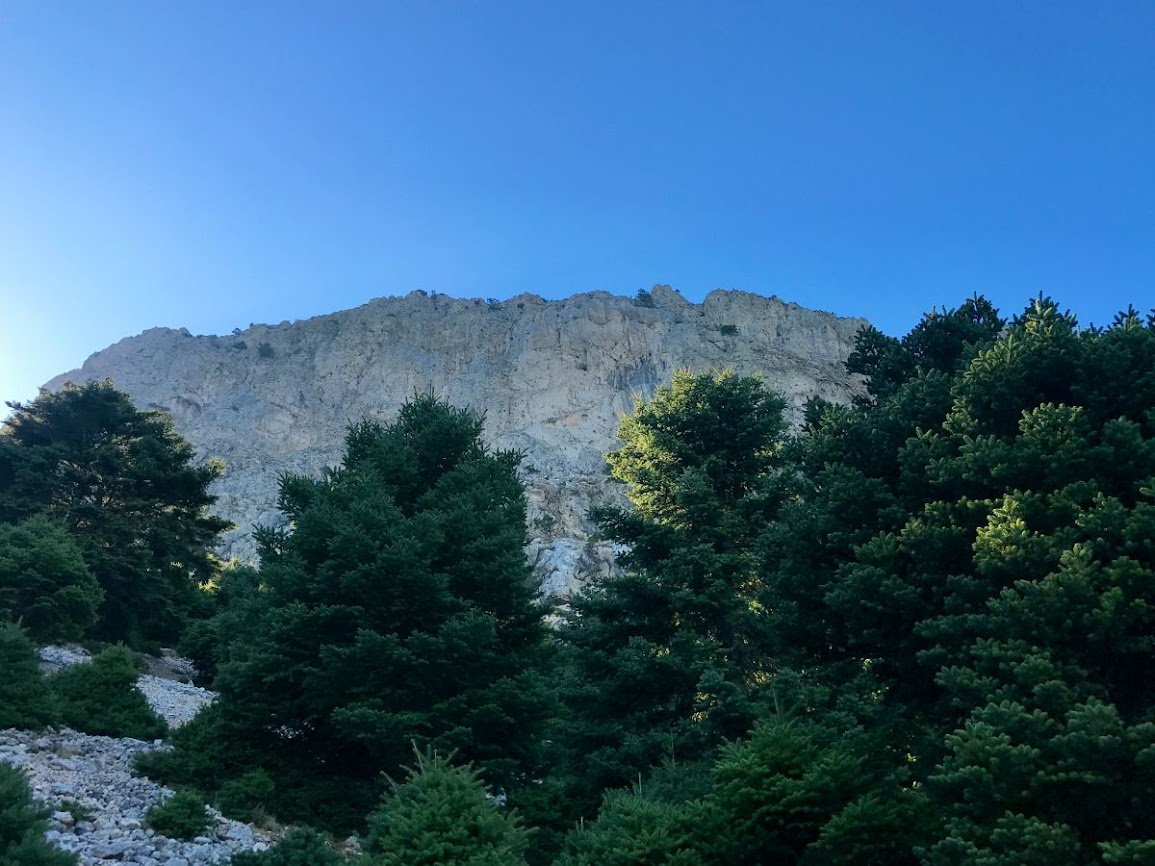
(553, 378)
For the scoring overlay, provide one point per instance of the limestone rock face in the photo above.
(553, 378)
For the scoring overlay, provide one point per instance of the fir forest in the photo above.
(916, 629)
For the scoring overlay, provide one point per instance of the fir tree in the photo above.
(974, 545)
(441, 815)
(123, 484)
(44, 582)
(633, 828)
(397, 608)
(25, 701)
(800, 791)
(22, 825)
(664, 658)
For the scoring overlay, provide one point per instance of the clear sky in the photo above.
(210, 164)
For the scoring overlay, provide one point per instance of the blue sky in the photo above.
(212, 164)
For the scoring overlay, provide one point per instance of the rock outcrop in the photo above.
(553, 378)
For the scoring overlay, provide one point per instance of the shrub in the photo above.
(199, 757)
(194, 754)
(22, 825)
(301, 847)
(264, 350)
(634, 829)
(199, 645)
(44, 582)
(181, 816)
(25, 701)
(441, 815)
(78, 811)
(728, 330)
(644, 299)
(245, 796)
(100, 697)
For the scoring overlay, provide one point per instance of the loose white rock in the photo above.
(96, 774)
(174, 701)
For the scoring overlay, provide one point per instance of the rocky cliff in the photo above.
(552, 377)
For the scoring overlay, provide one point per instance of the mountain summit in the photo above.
(551, 377)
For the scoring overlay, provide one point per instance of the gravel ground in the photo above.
(96, 774)
(168, 688)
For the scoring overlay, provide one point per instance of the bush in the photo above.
(441, 815)
(199, 645)
(181, 816)
(78, 811)
(25, 701)
(244, 797)
(100, 697)
(22, 825)
(301, 847)
(634, 829)
(199, 758)
(44, 582)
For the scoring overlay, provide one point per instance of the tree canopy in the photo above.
(124, 485)
(952, 580)
(917, 630)
(44, 583)
(972, 551)
(664, 658)
(397, 609)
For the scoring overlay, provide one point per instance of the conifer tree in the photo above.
(441, 815)
(634, 828)
(398, 608)
(22, 825)
(25, 701)
(123, 484)
(800, 791)
(44, 582)
(663, 659)
(995, 591)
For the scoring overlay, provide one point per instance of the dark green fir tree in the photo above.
(397, 608)
(124, 485)
(22, 825)
(442, 815)
(665, 659)
(971, 550)
(44, 583)
(25, 701)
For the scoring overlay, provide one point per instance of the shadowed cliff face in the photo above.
(551, 377)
